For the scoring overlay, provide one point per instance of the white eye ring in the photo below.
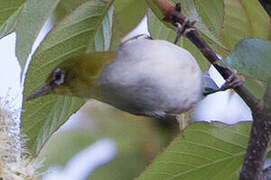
(59, 77)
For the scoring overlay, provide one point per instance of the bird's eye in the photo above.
(59, 76)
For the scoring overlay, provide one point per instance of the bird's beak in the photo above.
(47, 89)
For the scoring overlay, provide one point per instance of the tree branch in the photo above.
(266, 4)
(259, 140)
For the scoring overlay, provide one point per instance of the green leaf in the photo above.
(252, 58)
(69, 143)
(66, 6)
(9, 11)
(255, 86)
(133, 147)
(158, 30)
(209, 151)
(223, 23)
(127, 15)
(85, 29)
(213, 17)
(243, 19)
(208, 31)
(32, 17)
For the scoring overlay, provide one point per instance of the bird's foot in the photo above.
(231, 82)
(184, 28)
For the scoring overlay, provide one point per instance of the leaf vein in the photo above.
(204, 165)
(58, 57)
(207, 146)
(201, 131)
(37, 110)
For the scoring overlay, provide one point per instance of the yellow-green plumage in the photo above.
(81, 74)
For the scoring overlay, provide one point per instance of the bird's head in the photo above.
(58, 82)
(75, 77)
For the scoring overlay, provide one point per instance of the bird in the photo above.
(146, 77)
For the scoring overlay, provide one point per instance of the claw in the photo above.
(183, 29)
(231, 82)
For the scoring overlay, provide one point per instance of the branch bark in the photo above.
(259, 140)
(266, 5)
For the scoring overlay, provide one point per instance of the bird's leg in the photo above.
(231, 82)
(179, 32)
(183, 29)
